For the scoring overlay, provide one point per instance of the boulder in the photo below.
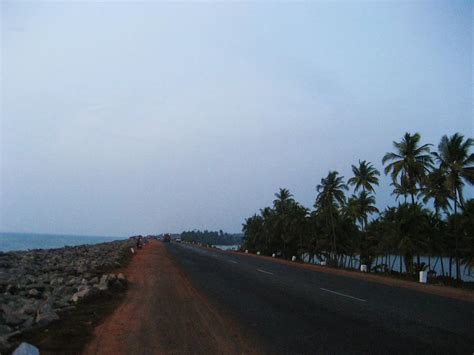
(11, 316)
(89, 291)
(94, 280)
(4, 344)
(57, 281)
(46, 314)
(12, 289)
(29, 308)
(4, 329)
(82, 288)
(104, 283)
(34, 293)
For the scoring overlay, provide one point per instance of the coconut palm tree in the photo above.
(365, 205)
(436, 188)
(400, 189)
(351, 209)
(283, 199)
(365, 176)
(331, 197)
(411, 162)
(454, 158)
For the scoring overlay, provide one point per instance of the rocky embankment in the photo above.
(37, 285)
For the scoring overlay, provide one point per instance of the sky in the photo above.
(120, 118)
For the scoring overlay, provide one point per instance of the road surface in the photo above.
(290, 309)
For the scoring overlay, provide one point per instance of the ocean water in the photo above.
(26, 241)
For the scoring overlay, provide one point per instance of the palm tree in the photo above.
(330, 197)
(283, 199)
(400, 189)
(436, 188)
(455, 159)
(365, 175)
(365, 206)
(351, 209)
(253, 232)
(411, 162)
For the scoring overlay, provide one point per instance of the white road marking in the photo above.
(232, 261)
(343, 295)
(265, 272)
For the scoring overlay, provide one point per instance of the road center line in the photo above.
(343, 295)
(265, 272)
(232, 261)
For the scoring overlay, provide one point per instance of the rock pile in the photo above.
(36, 285)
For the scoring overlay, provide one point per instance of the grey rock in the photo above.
(82, 287)
(29, 308)
(94, 280)
(46, 314)
(12, 289)
(81, 294)
(11, 316)
(57, 281)
(104, 283)
(4, 344)
(4, 329)
(72, 281)
(34, 293)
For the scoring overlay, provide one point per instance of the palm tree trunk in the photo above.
(456, 239)
(450, 266)
(333, 234)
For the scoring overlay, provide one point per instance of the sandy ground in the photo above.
(164, 314)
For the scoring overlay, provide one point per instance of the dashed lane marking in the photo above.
(265, 272)
(343, 295)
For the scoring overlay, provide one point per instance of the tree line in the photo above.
(345, 227)
(211, 237)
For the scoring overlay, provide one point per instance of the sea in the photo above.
(27, 241)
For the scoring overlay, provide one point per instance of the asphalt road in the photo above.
(296, 310)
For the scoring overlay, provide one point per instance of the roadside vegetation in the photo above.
(430, 217)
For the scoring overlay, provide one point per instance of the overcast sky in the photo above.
(124, 118)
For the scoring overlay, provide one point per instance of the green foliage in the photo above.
(409, 164)
(339, 228)
(211, 237)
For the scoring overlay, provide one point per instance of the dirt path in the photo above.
(164, 314)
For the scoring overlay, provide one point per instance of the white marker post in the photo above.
(293, 258)
(423, 277)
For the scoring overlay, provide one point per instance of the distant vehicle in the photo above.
(166, 238)
(178, 240)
